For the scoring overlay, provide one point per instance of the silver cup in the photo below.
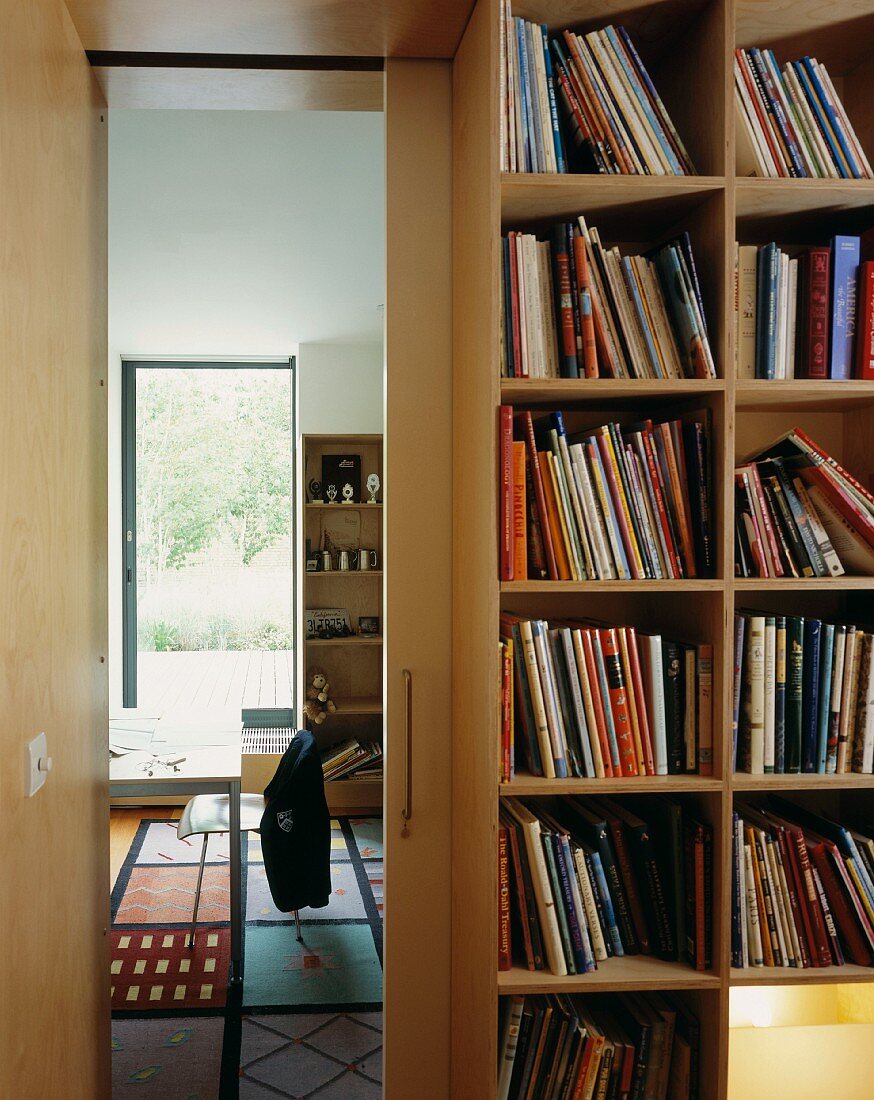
(326, 563)
(347, 560)
(366, 560)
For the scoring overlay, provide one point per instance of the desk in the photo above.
(205, 770)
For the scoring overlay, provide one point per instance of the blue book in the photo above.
(780, 695)
(826, 656)
(833, 119)
(593, 859)
(553, 106)
(547, 841)
(529, 164)
(845, 276)
(810, 694)
(775, 108)
(821, 120)
(611, 518)
(768, 292)
(583, 956)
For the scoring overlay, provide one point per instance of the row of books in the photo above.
(791, 122)
(352, 759)
(574, 308)
(625, 1046)
(803, 695)
(581, 103)
(802, 889)
(588, 700)
(798, 513)
(585, 880)
(611, 502)
(805, 316)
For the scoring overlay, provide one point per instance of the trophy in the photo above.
(372, 487)
(348, 494)
(331, 494)
(315, 491)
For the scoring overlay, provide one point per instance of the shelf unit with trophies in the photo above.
(340, 595)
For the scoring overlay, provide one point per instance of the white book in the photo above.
(863, 742)
(587, 564)
(778, 945)
(567, 645)
(820, 511)
(649, 648)
(827, 168)
(792, 325)
(617, 353)
(508, 1043)
(504, 97)
(777, 82)
(741, 872)
(775, 147)
(547, 139)
(592, 513)
(756, 158)
(554, 720)
(519, 122)
(524, 340)
(545, 902)
(659, 314)
(566, 518)
(755, 698)
(538, 705)
(547, 307)
(855, 145)
(780, 342)
(754, 931)
(787, 925)
(837, 687)
(596, 933)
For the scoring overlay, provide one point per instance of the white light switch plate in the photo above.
(34, 777)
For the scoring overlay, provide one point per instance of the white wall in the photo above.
(243, 234)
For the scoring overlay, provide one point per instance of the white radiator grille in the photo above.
(263, 740)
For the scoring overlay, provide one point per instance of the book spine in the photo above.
(506, 438)
(815, 346)
(564, 309)
(780, 696)
(739, 637)
(865, 330)
(505, 954)
(705, 709)
(810, 693)
(520, 513)
(539, 495)
(845, 268)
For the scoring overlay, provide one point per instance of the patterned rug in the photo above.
(308, 1021)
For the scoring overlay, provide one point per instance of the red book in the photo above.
(506, 714)
(519, 894)
(539, 496)
(773, 551)
(816, 314)
(664, 521)
(807, 442)
(629, 878)
(506, 491)
(536, 555)
(764, 124)
(640, 696)
(844, 913)
(810, 896)
(617, 689)
(505, 958)
(520, 514)
(795, 898)
(597, 702)
(865, 327)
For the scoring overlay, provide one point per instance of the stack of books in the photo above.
(620, 1046)
(802, 889)
(791, 122)
(573, 308)
(592, 701)
(352, 759)
(798, 513)
(805, 316)
(582, 103)
(585, 880)
(624, 502)
(802, 696)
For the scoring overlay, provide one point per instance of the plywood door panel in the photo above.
(54, 865)
(417, 581)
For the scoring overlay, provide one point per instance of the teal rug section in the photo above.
(323, 1055)
(336, 964)
(368, 836)
(167, 1059)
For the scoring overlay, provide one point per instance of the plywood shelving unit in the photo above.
(688, 46)
(353, 665)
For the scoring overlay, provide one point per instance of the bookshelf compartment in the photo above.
(681, 44)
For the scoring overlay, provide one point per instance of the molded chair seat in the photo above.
(210, 813)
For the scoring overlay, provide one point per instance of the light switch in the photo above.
(38, 764)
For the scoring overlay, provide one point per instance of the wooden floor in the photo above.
(123, 825)
(212, 678)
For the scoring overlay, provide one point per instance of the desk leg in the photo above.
(236, 884)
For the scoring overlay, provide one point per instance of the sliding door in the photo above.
(418, 593)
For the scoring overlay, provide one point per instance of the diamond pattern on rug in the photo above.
(165, 895)
(302, 1056)
(345, 902)
(336, 964)
(161, 845)
(368, 836)
(154, 969)
(178, 1059)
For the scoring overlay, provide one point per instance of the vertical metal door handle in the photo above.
(407, 811)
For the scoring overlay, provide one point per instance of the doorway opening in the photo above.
(208, 559)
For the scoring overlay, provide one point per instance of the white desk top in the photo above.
(217, 762)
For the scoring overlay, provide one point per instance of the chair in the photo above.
(209, 813)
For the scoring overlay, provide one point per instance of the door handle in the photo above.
(407, 811)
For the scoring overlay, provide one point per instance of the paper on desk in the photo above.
(129, 740)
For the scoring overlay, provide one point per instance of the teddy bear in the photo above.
(318, 706)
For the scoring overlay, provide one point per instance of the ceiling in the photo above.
(349, 28)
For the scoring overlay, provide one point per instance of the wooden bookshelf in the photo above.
(352, 664)
(689, 48)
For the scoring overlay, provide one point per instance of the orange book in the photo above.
(520, 513)
(619, 706)
(558, 544)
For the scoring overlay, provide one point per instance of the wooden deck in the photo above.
(211, 678)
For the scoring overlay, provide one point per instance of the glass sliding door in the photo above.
(208, 560)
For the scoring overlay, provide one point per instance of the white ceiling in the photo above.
(244, 233)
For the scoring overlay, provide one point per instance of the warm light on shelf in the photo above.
(753, 1007)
